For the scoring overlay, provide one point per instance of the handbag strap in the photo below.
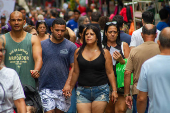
(122, 48)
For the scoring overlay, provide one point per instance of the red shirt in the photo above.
(78, 44)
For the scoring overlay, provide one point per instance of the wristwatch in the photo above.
(125, 95)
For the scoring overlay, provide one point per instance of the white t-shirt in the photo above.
(154, 79)
(10, 89)
(136, 38)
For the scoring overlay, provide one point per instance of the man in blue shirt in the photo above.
(123, 36)
(72, 24)
(164, 15)
(58, 56)
(154, 79)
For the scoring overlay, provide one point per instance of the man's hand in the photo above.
(35, 73)
(129, 102)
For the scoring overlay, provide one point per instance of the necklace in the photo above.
(93, 50)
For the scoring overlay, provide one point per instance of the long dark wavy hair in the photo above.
(118, 41)
(98, 36)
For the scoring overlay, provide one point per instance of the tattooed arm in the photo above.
(2, 39)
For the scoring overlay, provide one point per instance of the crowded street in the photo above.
(84, 56)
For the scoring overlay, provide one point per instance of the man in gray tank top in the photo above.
(23, 50)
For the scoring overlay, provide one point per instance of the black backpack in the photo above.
(33, 98)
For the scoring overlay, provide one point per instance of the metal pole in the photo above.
(62, 2)
(133, 6)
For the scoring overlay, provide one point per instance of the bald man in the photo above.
(136, 58)
(23, 50)
(154, 78)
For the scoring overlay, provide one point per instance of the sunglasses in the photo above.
(41, 20)
(113, 22)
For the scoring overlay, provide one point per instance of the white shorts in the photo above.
(52, 99)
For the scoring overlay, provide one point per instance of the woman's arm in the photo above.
(69, 87)
(76, 70)
(20, 105)
(18, 93)
(110, 74)
(126, 49)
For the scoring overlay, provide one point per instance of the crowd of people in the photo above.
(71, 63)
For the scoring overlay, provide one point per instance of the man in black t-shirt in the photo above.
(94, 19)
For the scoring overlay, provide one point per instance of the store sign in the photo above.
(6, 8)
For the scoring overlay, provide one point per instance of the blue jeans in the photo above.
(94, 93)
(73, 108)
(135, 104)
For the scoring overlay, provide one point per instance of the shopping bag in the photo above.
(120, 69)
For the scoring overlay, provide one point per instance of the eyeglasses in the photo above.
(113, 22)
(3, 51)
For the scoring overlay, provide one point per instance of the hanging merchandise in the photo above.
(104, 7)
(48, 4)
(116, 10)
(81, 6)
(100, 4)
(111, 6)
(120, 6)
(127, 13)
(111, 16)
(81, 9)
(72, 4)
(82, 3)
(132, 28)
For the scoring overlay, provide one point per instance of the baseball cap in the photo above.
(3, 17)
(7, 27)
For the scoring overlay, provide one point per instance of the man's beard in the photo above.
(57, 39)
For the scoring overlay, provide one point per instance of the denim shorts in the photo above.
(94, 93)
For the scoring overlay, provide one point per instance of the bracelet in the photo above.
(38, 71)
(125, 95)
(114, 91)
